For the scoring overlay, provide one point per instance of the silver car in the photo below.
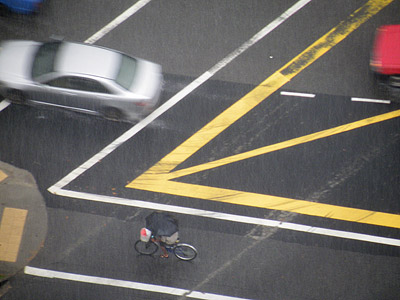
(79, 77)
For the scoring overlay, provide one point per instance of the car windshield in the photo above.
(126, 72)
(44, 59)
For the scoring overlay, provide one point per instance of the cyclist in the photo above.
(164, 229)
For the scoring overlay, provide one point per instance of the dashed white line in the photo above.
(294, 94)
(356, 99)
(176, 98)
(230, 217)
(125, 284)
(4, 104)
(117, 21)
(370, 100)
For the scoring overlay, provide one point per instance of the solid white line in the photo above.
(117, 21)
(230, 217)
(4, 104)
(125, 284)
(305, 95)
(176, 98)
(370, 100)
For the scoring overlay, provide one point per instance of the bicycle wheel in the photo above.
(185, 252)
(144, 248)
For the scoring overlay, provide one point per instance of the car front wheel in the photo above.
(113, 114)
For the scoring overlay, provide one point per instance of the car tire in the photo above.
(16, 96)
(112, 113)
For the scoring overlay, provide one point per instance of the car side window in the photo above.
(80, 84)
(61, 82)
(88, 85)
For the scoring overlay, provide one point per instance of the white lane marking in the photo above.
(176, 98)
(230, 217)
(117, 21)
(4, 104)
(370, 100)
(304, 95)
(125, 284)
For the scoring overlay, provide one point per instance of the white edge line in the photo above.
(304, 95)
(230, 217)
(176, 98)
(4, 104)
(117, 21)
(124, 284)
(370, 100)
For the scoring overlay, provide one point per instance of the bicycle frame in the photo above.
(182, 251)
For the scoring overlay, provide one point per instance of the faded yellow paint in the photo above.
(2, 175)
(11, 230)
(157, 178)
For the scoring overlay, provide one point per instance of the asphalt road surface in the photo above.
(271, 148)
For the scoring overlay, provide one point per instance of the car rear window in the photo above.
(126, 72)
(43, 62)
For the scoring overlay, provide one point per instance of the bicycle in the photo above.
(182, 251)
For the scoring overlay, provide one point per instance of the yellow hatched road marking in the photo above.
(282, 145)
(11, 230)
(268, 202)
(157, 178)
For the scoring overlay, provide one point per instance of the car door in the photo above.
(74, 92)
(89, 94)
(53, 92)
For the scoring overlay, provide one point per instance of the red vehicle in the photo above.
(385, 58)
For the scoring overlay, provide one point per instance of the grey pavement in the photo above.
(19, 193)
